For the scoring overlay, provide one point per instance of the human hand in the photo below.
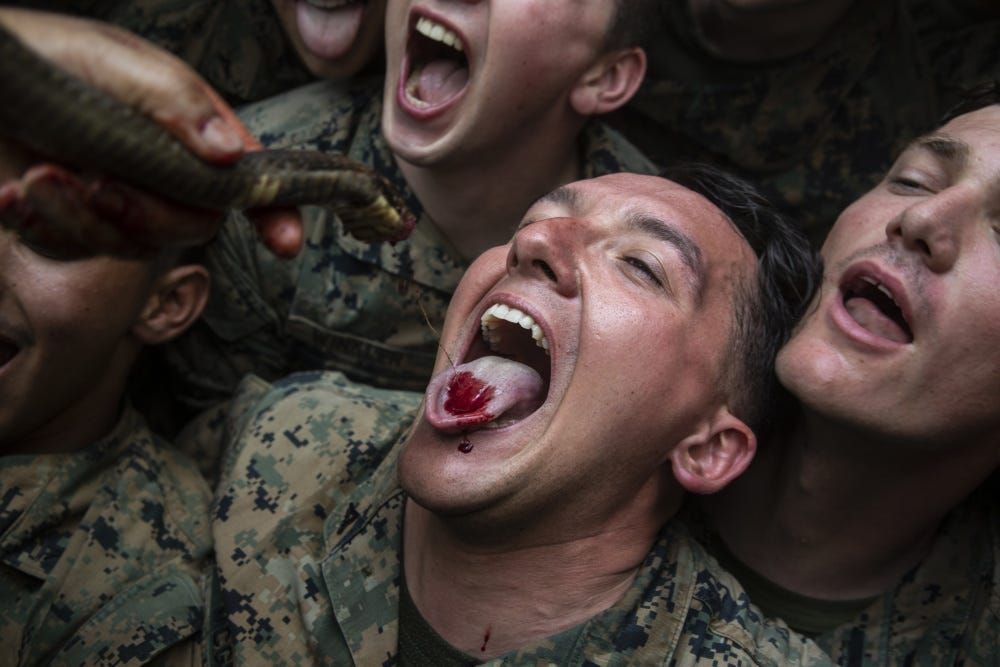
(162, 87)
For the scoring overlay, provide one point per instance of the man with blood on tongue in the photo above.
(611, 356)
(871, 514)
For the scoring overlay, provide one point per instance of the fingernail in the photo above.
(221, 136)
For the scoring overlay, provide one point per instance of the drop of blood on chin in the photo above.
(465, 446)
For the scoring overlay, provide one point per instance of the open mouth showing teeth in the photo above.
(873, 306)
(439, 68)
(504, 378)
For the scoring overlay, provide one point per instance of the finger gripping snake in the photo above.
(66, 119)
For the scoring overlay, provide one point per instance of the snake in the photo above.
(65, 119)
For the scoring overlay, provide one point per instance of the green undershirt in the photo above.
(808, 616)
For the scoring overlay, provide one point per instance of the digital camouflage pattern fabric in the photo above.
(817, 130)
(369, 311)
(308, 528)
(238, 46)
(103, 554)
(946, 611)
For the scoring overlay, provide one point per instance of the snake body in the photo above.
(67, 120)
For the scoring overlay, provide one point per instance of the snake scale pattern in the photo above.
(73, 123)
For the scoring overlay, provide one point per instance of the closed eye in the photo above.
(643, 268)
(907, 185)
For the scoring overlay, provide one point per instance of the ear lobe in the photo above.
(176, 301)
(709, 460)
(610, 82)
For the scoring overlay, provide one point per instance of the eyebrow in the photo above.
(563, 195)
(661, 230)
(947, 148)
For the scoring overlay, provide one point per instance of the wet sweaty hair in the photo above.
(975, 98)
(788, 273)
(634, 23)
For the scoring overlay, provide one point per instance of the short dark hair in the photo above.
(788, 273)
(634, 23)
(983, 95)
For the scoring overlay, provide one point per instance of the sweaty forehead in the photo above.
(706, 240)
(628, 196)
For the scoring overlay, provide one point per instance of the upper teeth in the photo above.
(498, 311)
(879, 286)
(437, 32)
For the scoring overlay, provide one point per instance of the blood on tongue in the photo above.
(467, 394)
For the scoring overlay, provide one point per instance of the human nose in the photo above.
(548, 250)
(933, 228)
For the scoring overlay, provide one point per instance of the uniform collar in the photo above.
(42, 497)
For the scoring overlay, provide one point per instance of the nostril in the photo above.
(924, 248)
(546, 269)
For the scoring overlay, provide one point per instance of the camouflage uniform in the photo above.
(817, 130)
(102, 553)
(308, 528)
(946, 611)
(369, 311)
(239, 46)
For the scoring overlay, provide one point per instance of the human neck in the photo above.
(514, 596)
(833, 513)
(84, 421)
(478, 206)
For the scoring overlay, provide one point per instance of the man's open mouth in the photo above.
(503, 378)
(873, 305)
(436, 67)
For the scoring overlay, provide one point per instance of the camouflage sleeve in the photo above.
(158, 619)
(302, 447)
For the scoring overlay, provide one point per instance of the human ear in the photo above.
(175, 302)
(610, 82)
(718, 453)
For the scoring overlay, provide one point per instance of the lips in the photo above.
(503, 378)
(876, 302)
(435, 69)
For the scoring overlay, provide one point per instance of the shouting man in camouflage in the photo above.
(522, 514)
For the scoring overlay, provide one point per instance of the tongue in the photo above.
(328, 33)
(481, 391)
(868, 315)
(441, 80)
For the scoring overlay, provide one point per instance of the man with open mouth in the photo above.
(869, 523)
(103, 530)
(485, 107)
(612, 356)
